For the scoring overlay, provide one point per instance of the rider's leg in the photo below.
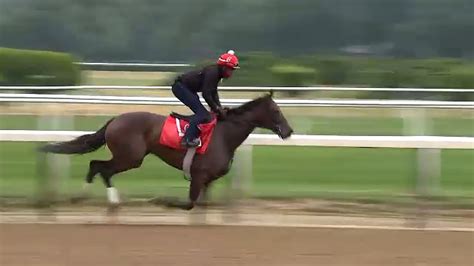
(201, 115)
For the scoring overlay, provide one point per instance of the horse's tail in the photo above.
(80, 145)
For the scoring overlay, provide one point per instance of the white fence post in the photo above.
(416, 122)
(429, 171)
(429, 160)
(428, 163)
(56, 167)
(240, 183)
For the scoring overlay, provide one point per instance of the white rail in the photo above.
(296, 140)
(238, 88)
(133, 64)
(89, 99)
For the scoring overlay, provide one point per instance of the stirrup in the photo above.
(191, 143)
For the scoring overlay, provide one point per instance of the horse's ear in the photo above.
(270, 93)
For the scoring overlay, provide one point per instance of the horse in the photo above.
(132, 136)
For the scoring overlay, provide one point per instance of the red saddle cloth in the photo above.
(174, 128)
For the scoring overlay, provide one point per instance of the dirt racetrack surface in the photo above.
(102, 245)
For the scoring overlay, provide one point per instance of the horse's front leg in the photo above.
(195, 188)
(203, 199)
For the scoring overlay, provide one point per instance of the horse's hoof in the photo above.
(188, 207)
(179, 205)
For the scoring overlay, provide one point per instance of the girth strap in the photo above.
(187, 162)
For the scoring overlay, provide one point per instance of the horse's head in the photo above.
(272, 118)
(266, 114)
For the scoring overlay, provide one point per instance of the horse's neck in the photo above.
(235, 133)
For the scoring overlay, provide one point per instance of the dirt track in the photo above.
(51, 245)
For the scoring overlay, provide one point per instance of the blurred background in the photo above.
(370, 68)
(321, 44)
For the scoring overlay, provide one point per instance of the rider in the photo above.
(204, 80)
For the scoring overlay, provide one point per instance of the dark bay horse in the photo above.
(132, 136)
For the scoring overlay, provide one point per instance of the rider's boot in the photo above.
(191, 139)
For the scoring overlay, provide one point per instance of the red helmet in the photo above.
(228, 59)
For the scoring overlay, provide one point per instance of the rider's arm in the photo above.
(209, 91)
(215, 96)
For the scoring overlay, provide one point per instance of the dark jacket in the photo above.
(204, 80)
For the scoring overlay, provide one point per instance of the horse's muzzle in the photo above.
(283, 133)
(287, 134)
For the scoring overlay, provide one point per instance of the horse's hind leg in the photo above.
(95, 167)
(109, 168)
(126, 156)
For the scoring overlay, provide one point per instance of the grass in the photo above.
(277, 171)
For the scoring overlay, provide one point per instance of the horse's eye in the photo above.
(276, 115)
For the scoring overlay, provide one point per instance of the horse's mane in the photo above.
(248, 105)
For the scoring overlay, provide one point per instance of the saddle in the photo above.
(181, 117)
(187, 118)
(176, 125)
(173, 131)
